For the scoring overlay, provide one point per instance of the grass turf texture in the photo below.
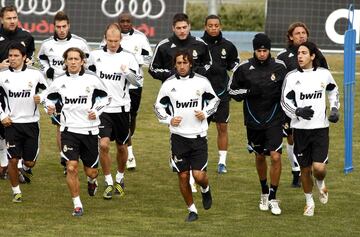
(153, 205)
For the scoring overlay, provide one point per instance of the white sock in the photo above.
(25, 167)
(16, 189)
(222, 157)
(192, 180)
(130, 151)
(292, 159)
(192, 208)
(205, 190)
(320, 184)
(119, 176)
(90, 180)
(109, 179)
(309, 199)
(3, 154)
(20, 164)
(77, 202)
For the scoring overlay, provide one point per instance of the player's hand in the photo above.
(175, 121)
(37, 99)
(334, 115)
(4, 64)
(305, 112)
(91, 115)
(124, 69)
(28, 61)
(6, 122)
(50, 109)
(199, 115)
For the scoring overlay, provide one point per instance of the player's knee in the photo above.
(104, 147)
(275, 157)
(29, 164)
(199, 176)
(121, 148)
(319, 171)
(185, 175)
(92, 173)
(72, 170)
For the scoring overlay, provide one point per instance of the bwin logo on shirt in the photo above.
(315, 95)
(79, 100)
(18, 94)
(188, 104)
(57, 62)
(115, 76)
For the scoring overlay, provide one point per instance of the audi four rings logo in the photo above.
(37, 7)
(146, 11)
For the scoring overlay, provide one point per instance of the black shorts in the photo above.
(115, 126)
(188, 153)
(22, 140)
(135, 96)
(287, 131)
(85, 147)
(311, 145)
(222, 113)
(265, 140)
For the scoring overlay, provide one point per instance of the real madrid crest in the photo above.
(65, 148)
(322, 85)
(136, 49)
(198, 93)
(286, 126)
(195, 54)
(30, 84)
(223, 54)
(87, 89)
(273, 77)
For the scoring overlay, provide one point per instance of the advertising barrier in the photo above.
(326, 20)
(88, 19)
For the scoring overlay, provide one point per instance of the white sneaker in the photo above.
(274, 207)
(131, 163)
(324, 196)
(264, 202)
(309, 210)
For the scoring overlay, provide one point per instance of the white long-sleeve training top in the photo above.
(17, 89)
(52, 50)
(138, 44)
(108, 68)
(309, 88)
(79, 94)
(183, 96)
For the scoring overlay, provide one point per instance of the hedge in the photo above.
(234, 17)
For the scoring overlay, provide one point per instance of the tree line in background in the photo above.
(234, 17)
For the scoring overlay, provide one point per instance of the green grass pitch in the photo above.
(153, 205)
